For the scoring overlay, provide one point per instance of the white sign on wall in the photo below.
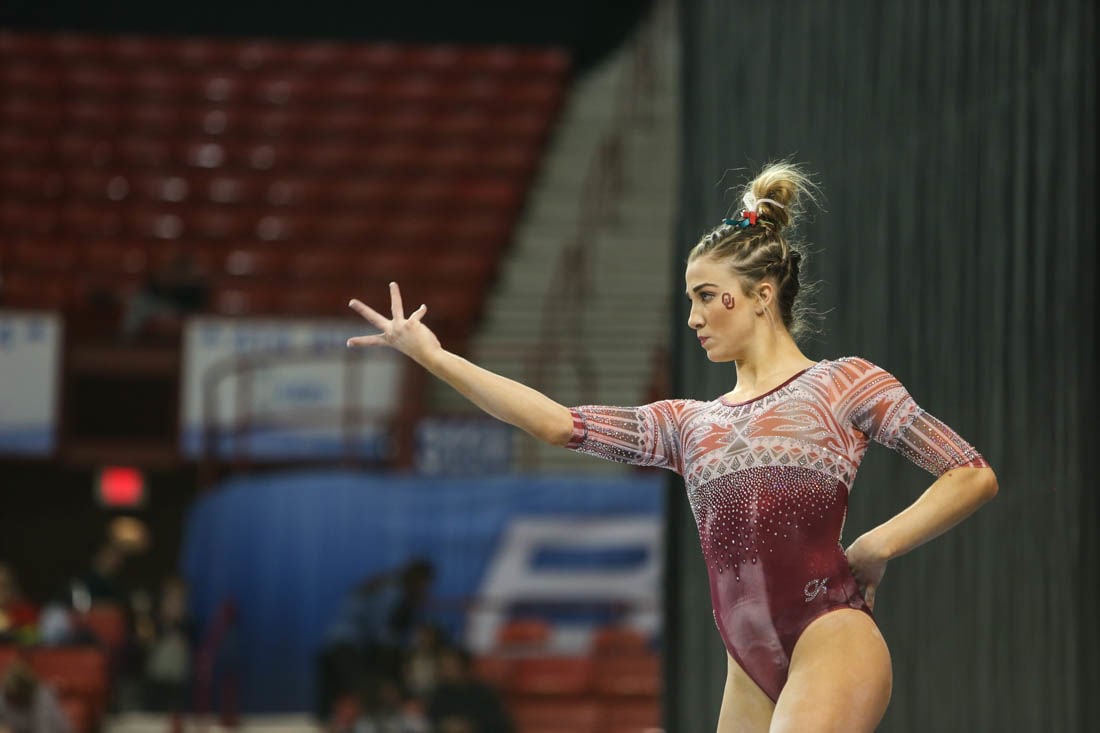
(30, 356)
(282, 388)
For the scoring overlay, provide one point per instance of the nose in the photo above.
(695, 319)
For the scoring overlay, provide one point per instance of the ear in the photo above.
(765, 293)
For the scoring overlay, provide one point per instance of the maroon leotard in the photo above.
(768, 482)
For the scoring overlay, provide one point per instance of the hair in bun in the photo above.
(757, 242)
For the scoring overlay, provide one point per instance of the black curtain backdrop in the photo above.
(955, 143)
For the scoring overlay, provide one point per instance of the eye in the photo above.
(704, 296)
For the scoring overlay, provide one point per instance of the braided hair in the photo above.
(756, 244)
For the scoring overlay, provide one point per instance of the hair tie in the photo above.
(745, 219)
(750, 213)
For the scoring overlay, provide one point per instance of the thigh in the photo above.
(839, 679)
(745, 707)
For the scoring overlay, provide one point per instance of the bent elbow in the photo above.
(560, 432)
(989, 487)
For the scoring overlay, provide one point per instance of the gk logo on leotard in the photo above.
(814, 588)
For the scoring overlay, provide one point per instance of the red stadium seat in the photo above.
(106, 622)
(93, 81)
(556, 717)
(203, 53)
(632, 675)
(287, 190)
(153, 223)
(110, 256)
(130, 51)
(33, 115)
(8, 654)
(30, 181)
(316, 56)
(79, 712)
(23, 145)
(153, 84)
(228, 189)
(631, 716)
(30, 217)
(77, 48)
(315, 300)
(73, 671)
(551, 676)
(318, 265)
(247, 300)
(366, 191)
(523, 633)
(286, 228)
(611, 640)
(42, 255)
(494, 669)
(259, 55)
(349, 88)
(254, 262)
(78, 149)
(155, 186)
(346, 227)
(221, 222)
(145, 152)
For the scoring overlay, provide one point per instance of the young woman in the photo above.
(768, 467)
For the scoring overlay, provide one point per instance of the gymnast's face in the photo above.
(722, 315)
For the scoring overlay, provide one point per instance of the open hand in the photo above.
(868, 566)
(407, 335)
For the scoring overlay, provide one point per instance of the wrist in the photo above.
(880, 544)
(431, 360)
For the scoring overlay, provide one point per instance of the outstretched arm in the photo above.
(503, 398)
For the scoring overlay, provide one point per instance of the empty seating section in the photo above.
(614, 688)
(294, 174)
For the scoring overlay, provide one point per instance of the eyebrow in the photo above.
(698, 287)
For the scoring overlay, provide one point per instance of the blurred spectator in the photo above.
(461, 703)
(126, 536)
(168, 661)
(391, 714)
(373, 627)
(177, 289)
(18, 616)
(28, 706)
(421, 661)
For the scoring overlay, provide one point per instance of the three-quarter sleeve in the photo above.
(647, 435)
(877, 404)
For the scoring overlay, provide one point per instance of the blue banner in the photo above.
(287, 548)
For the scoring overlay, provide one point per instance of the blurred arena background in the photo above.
(208, 500)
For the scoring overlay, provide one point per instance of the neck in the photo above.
(773, 355)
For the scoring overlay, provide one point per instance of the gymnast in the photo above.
(768, 468)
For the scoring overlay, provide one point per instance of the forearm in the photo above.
(503, 398)
(952, 498)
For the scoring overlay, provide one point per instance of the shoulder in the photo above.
(856, 369)
(849, 381)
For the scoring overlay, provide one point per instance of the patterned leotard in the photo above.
(768, 482)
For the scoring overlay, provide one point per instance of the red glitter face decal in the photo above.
(727, 300)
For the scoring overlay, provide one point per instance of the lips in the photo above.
(703, 340)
